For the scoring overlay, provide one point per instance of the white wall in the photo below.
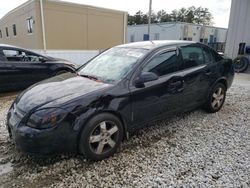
(221, 35)
(196, 33)
(78, 57)
(239, 26)
(174, 31)
(166, 32)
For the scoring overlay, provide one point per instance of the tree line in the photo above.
(196, 15)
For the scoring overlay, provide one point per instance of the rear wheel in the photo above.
(241, 64)
(101, 137)
(216, 98)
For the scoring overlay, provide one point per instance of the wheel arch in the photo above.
(222, 81)
(114, 113)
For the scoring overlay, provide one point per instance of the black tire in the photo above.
(93, 131)
(241, 64)
(214, 104)
(61, 72)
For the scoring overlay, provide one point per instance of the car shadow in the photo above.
(144, 138)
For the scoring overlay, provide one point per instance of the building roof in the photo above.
(163, 24)
(154, 44)
(63, 3)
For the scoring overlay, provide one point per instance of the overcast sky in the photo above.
(219, 8)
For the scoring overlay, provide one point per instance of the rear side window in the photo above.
(13, 55)
(216, 56)
(207, 55)
(163, 64)
(191, 56)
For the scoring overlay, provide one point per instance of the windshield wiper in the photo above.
(90, 77)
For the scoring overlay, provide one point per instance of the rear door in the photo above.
(197, 68)
(26, 67)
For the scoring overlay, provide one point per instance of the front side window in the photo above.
(113, 64)
(14, 29)
(7, 32)
(17, 55)
(30, 25)
(191, 56)
(163, 64)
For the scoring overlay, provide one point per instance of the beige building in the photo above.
(57, 25)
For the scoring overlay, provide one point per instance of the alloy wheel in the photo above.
(104, 137)
(217, 98)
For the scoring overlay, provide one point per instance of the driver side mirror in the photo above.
(145, 77)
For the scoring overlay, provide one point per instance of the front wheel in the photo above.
(101, 137)
(216, 98)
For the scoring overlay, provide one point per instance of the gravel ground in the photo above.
(195, 149)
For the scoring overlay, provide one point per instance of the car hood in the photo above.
(59, 60)
(64, 87)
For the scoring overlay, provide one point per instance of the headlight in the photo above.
(46, 118)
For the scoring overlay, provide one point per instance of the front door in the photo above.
(24, 68)
(160, 97)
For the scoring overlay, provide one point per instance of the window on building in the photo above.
(30, 22)
(7, 31)
(163, 64)
(1, 35)
(191, 56)
(157, 36)
(132, 38)
(14, 29)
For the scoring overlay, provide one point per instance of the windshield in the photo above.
(113, 64)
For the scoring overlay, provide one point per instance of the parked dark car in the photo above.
(20, 68)
(115, 93)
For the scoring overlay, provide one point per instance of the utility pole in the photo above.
(43, 27)
(149, 17)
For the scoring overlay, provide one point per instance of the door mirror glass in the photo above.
(145, 77)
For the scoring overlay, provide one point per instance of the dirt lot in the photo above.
(195, 149)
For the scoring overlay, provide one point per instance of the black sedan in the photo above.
(20, 68)
(117, 92)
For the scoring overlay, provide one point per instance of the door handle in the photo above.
(176, 86)
(208, 72)
(176, 83)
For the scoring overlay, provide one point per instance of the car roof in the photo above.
(154, 44)
(11, 46)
